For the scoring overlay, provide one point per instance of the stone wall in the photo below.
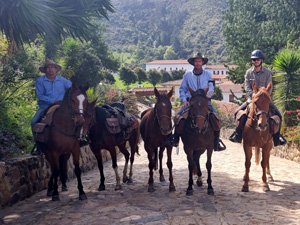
(289, 151)
(24, 176)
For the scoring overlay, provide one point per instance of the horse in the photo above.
(198, 137)
(100, 138)
(65, 134)
(156, 127)
(256, 134)
(63, 158)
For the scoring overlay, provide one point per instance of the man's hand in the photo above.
(185, 104)
(56, 101)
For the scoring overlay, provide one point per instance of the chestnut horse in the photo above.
(65, 134)
(198, 137)
(156, 127)
(100, 138)
(256, 134)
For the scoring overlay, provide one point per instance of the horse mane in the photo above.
(199, 92)
(100, 115)
(262, 91)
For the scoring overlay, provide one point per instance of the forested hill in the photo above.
(145, 28)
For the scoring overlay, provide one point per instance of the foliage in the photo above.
(154, 76)
(265, 25)
(170, 54)
(177, 74)
(217, 95)
(127, 75)
(237, 74)
(287, 86)
(141, 74)
(165, 76)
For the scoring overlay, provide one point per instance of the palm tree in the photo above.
(21, 21)
(287, 83)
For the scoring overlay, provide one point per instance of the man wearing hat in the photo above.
(198, 78)
(49, 88)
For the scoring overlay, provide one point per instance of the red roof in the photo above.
(181, 61)
(228, 85)
(226, 107)
(219, 67)
(149, 91)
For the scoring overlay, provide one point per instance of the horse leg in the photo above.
(55, 173)
(248, 156)
(133, 149)
(189, 190)
(77, 170)
(196, 156)
(210, 190)
(63, 167)
(161, 172)
(113, 154)
(170, 166)
(98, 155)
(264, 162)
(50, 186)
(151, 166)
(126, 154)
(270, 177)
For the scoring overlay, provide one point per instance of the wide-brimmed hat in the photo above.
(195, 56)
(47, 63)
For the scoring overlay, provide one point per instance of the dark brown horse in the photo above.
(65, 134)
(198, 137)
(256, 134)
(100, 138)
(156, 127)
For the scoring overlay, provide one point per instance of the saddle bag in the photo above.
(184, 115)
(113, 125)
(41, 132)
(274, 123)
(240, 117)
(215, 121)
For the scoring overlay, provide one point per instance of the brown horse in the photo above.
(198, 137)
(156, 127)
(256, 134)
(65, 134)
(100, 138)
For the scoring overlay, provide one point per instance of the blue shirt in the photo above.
(48, 91)
(195, 83)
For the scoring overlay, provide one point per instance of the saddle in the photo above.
(41, 130)
(117, 119)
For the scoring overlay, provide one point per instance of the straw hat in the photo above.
(47, 63)
(195, 56)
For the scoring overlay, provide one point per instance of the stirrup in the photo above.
(221, 146)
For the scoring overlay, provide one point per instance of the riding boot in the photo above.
(173, 140)
(237, 135)
(217, 141)
(277, 139)
(37, 149)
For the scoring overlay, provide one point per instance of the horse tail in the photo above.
(257, 155)
(155, 158)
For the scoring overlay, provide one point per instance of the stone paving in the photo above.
(135, 205)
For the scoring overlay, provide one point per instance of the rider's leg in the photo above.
(37, 117)
(237, 135)
(277, 137)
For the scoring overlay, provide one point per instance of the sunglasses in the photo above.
(256, 60)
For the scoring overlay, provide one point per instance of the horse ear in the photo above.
(269, 87)
(254, 87)
(156, 93)
(206, 90)
(170, 93)
(191, 90)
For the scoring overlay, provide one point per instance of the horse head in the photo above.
(90, 118)
(163, 111)
(260, 105)
(198, 109)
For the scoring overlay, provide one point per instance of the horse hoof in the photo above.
(55, 198)
(64, 188)
(125, 179)
(171, 189)
(189, 192)
(129, 181)
(162, 179)
(199, 183)
(101, 188)
(118, 187)
(82, 197)
(210, 191)
(245, 189)
(49, 193)
(266, 188)
(150, 189)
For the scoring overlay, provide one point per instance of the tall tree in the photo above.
(177, 74)
(127, 75)
(165, 76)
(154, 76)
(141, 74)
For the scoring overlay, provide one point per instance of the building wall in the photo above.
(168, 67)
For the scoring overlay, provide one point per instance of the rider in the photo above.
(262, 76)
(198, 78)
(50, 89)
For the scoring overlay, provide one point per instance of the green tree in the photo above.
(141, 74)
(154, 76)
(177, 74)
(165, 76)
(287, 84)
(127, 75)
(217, 95)
(170, 54)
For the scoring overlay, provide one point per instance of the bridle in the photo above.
(159, 117)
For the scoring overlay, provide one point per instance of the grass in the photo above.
(120, 85)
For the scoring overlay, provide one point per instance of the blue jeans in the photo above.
(38, 116)
(210, 104)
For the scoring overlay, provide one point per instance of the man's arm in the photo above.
(248, 85)
(40, 92)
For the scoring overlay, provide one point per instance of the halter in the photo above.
(256, 115)
(159, 117)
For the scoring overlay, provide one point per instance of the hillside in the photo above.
(144, 28)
